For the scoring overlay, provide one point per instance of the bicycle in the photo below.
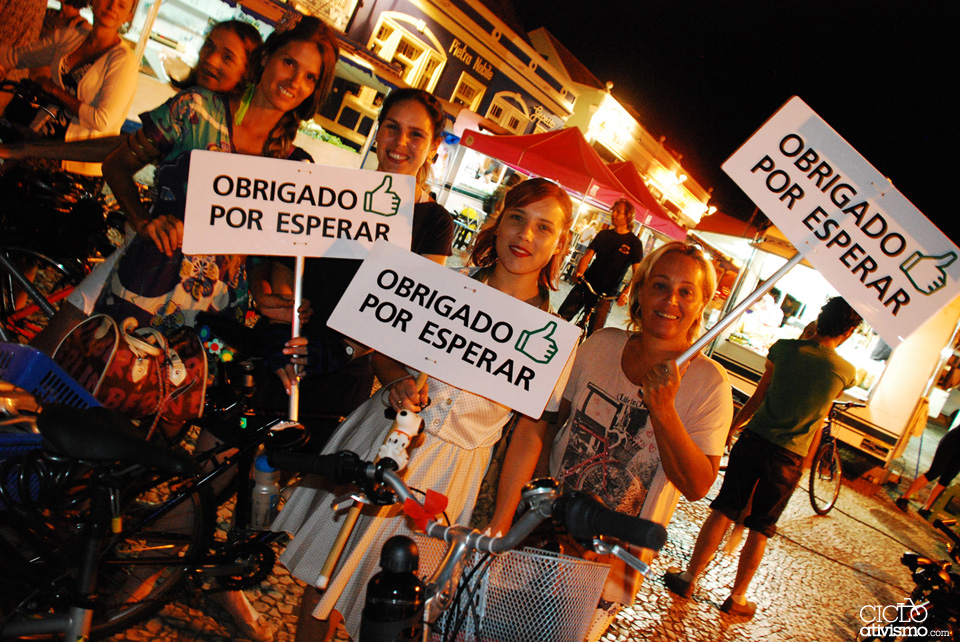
(52, 534)
(580, 513)
(32, 112)
(826, 470)
(586, 313)
(26, 303)
(935, 598)
(62, 224)
(163, 533)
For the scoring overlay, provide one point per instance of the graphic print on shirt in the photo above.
(612, 451)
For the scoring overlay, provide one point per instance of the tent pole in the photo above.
(752, 298)
(583, 200)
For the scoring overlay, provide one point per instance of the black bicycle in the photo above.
(586, 313)
(826, 471)
(32, 113)
(116, 525)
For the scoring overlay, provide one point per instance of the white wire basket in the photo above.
(523, 595)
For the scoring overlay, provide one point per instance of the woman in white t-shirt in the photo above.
(634, 427)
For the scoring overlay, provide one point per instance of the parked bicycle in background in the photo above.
(826, 470)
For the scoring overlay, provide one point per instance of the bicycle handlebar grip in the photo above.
(343, 467)
(584, 516)
(945, 528)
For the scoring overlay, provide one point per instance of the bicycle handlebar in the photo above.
(582, 514)
(585, 517)
(944, 526)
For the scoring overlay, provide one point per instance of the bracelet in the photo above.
(139, 152)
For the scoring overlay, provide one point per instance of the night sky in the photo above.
(707, 74)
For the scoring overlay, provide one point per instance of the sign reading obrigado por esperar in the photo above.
(455, 328)
(879, 251)
(240, 204)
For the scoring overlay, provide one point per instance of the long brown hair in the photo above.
(484, 252)
(306, 29)
(438, 119)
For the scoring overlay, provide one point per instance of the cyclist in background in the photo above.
(800, 381)
(612, 252)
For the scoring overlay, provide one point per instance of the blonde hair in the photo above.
(708, 281)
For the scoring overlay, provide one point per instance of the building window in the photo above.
(468, 92)
(508, 110)
(409, 44)
(336, 13)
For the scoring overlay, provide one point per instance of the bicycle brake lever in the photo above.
(347, 501)
(606, 548)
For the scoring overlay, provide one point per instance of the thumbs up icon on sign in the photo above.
(382, 200)
(538, 344)
(927, 273)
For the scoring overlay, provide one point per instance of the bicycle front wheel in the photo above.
(142, 566)
(826, 475)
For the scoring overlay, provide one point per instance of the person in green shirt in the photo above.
(801, 379)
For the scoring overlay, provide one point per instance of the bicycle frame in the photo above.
(210, 563)
(7, 265)
(75, 623)
(76, 576)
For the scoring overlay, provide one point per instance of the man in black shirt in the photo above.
(615, 251)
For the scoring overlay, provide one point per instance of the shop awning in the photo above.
(649, 211)
(720, 223)
(563, 155)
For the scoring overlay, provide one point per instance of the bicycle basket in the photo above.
(524, 595)
(39, 375)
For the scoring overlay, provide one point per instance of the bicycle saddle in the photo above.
(103, 435)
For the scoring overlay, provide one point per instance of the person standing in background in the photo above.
(801, 379)
(21, 24)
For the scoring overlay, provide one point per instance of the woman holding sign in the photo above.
(222, 68)
(662, 429)
(410, 127)
(521, 256)
(154, 281)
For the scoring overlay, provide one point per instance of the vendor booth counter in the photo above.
(895, 384)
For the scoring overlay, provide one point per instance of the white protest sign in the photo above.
(455, 328)
(240, 204)
(879, 251)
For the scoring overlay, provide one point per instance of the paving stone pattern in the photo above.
(816, 575)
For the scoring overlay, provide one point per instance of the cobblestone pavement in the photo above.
(816, 575)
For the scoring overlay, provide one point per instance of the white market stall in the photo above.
(896, 384)
(872, 245)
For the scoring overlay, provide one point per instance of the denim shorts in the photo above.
(764, 470)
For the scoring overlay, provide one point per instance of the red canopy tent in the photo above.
(649, 211)
(566, 157)
(562, 155)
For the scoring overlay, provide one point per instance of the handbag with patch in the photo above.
(139, 372)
